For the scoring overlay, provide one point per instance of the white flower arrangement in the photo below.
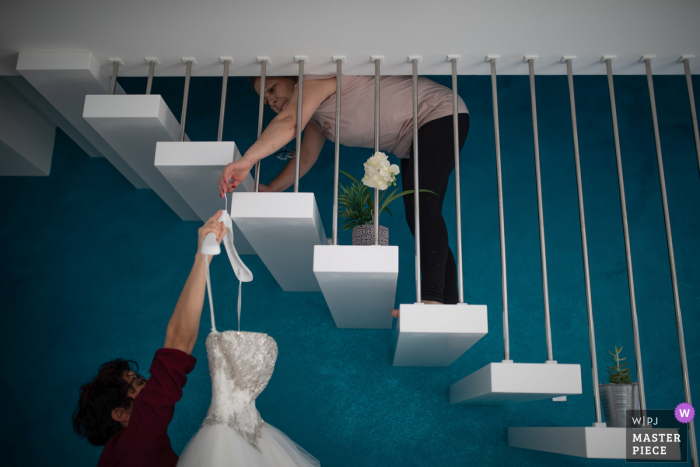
(379, 173)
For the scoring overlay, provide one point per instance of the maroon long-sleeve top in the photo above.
(145, 441)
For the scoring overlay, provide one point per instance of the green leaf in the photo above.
(350, 177)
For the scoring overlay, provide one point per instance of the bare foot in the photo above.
(395, 313)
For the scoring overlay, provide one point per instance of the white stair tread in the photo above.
(359, 283)
(436, 335)
(64, 79)
(193, 170)
(499, 383)
(283, 229)
(589, 442)
(132, 125)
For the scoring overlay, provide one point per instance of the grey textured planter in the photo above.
(616, 399)
(364, 235)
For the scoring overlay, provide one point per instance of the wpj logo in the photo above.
(657, 435)
(684, 412)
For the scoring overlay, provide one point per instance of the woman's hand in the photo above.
(211, 226)
(233, 174)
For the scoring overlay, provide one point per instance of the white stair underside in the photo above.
(358, 283)
(26, 136)
(436, 335)
(193, 170)
(133, 125)
(589, 442)
(64, 79)
(283, 229)
(501, 383)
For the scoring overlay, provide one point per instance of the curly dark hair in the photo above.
(92, 417)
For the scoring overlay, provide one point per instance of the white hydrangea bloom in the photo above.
(379, 173)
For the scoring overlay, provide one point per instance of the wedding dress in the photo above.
(240, 364)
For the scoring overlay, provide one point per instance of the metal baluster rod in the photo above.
(458, 200)
(540, 212)
(693, 115)
(336, 172)
(113, 83)
(671, 259)
(151, 72)
(625, 228)
(224, 87)
(501, 222)
(415, 177)
(376, 147)
(300, 87)
(186, 95)
(261, 111)
(584, 241)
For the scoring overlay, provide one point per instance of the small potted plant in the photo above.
(620, 395)
(357, 202)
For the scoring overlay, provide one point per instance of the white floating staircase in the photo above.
(359, 283)
(133, 125)
(193, 170)
(283, 229)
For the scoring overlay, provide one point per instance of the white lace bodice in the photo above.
(240, 365)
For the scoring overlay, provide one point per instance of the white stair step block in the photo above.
(193, 169)
(132, 125)
(500, 383)
(589, 442)
(64, 79)
(358, 283)
(26, 136)
(283, 229)
(436, 335)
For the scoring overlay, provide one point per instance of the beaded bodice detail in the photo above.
(240, 365)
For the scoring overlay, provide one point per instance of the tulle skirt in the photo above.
(220, 445)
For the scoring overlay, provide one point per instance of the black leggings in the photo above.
(436, 161)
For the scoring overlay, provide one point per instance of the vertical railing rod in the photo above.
(185, 97)
(416, 201)
(151, 72)
(300, 88)
(113, 83)
(336, 171)
(693, 115)
(584, 238)
(625, 231)
(224, 87)
(261, 111)
(671, 259)
(628, 250)
(376, 147)
(540, 211)
(501, 221)
(458, 198)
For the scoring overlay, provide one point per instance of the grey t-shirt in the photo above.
(395, 114)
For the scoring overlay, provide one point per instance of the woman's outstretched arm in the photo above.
(184, 323)
(311, 146)
(281, 130)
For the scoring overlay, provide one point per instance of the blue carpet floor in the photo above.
(91, 269)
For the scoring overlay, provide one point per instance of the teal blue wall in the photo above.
(91, 269)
